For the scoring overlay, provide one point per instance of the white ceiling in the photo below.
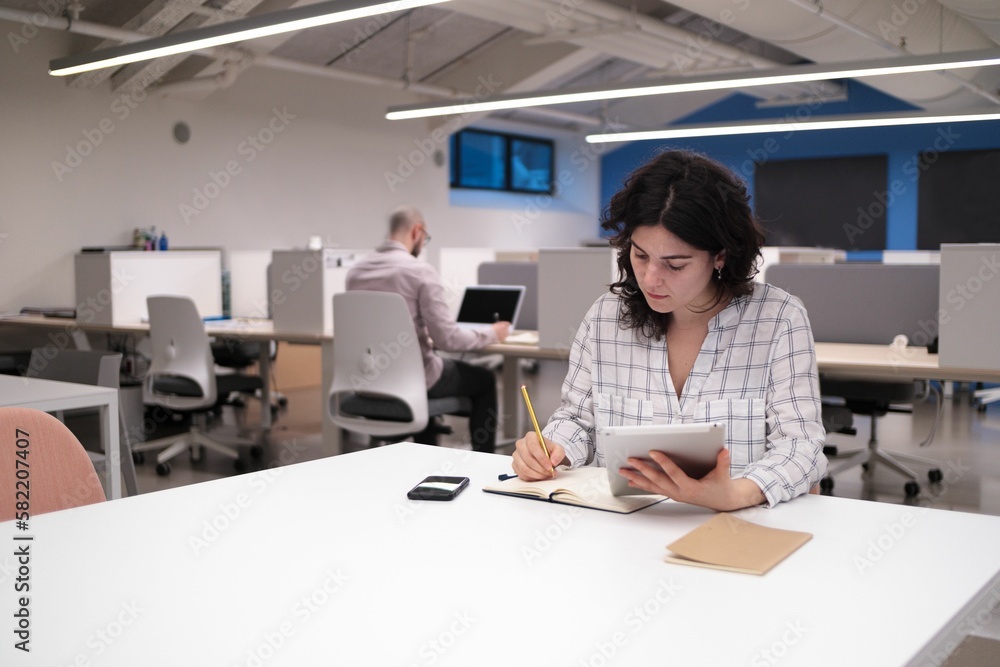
(449, 49)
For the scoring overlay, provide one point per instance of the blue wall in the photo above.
(902, 145)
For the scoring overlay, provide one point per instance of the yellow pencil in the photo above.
(534, 422)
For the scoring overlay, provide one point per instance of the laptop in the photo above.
(486, 304)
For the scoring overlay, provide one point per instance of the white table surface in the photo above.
(50, 396)
(328, 563)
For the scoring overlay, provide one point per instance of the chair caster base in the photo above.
(240, 465)
(138, 458)
(162, 469)
(912, 489)
(935, 475)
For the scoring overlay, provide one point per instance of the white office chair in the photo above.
(182, 378)
(379, 387)
(91, 367)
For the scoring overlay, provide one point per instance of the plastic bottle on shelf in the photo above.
(163, 241)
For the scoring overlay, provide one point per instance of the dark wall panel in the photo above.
(829, 202)
(959, 198)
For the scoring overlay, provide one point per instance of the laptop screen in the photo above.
(486, 304)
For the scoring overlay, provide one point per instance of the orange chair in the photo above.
(57, 473)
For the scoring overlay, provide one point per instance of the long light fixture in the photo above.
(786, 126)
(254, 27)
(769, 77)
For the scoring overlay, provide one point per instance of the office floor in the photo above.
(966, 445)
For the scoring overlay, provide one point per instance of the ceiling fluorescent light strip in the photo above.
(783, 75)
(254, 27)
(832, 123)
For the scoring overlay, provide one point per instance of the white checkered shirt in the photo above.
(756, 372)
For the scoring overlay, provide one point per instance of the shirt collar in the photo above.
(389, 245)
(731, 314)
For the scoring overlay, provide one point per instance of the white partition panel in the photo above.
(770, 255)
(111, 288)
(459, 268)
(911, 256)
(970, 305)
(248, 295)
(303, 283)
(569, 281)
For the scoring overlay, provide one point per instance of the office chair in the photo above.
(874, 399)
(61, 474)
(182, 378)
(241, 355)
(11, 362)
(379, 388)
(91, 367)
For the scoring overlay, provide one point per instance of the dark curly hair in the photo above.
(699, 201)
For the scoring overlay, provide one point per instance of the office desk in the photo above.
(328, 563)
(248, 330)
(881, 362)
(512, 380)
(842, 360)
(50, 396)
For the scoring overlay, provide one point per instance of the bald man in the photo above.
(394, 267)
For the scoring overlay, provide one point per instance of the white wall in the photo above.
(323, 173)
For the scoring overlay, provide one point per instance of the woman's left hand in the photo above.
(716, 490)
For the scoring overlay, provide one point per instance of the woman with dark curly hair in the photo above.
(686, 335)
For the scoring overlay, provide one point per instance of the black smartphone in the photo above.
(436, 487)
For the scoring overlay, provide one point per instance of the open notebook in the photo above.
(726, 542)
(583, 487)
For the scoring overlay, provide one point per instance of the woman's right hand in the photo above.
(530, 462)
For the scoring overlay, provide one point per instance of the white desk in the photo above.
(242, 329)
(328, 563)
(842, 360)
(881, 362)
(50, 396)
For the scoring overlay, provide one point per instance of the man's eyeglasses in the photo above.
(427, 237)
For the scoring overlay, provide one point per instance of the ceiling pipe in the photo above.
(818, 11)
(983, 15)
(649, 42)
(205, 84)
(103, 31)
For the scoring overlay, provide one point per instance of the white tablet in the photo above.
(693, 447)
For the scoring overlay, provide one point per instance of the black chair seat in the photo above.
(12, 363)
(391, 409)
(235, 354)
(245, 384)
(176, 385)
(866, 397)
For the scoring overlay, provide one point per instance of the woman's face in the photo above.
(672, 274)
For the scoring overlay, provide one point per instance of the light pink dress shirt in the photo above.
(391, 268)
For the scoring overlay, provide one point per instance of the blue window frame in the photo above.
(497, 161)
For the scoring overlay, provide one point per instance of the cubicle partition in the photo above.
(864, 303)
(569, 281)
(111, 287)
(302, 286)
(970, 305)
(516, 273)
(771, 255)
(248, 288)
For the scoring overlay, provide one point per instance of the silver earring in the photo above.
(718, 273)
